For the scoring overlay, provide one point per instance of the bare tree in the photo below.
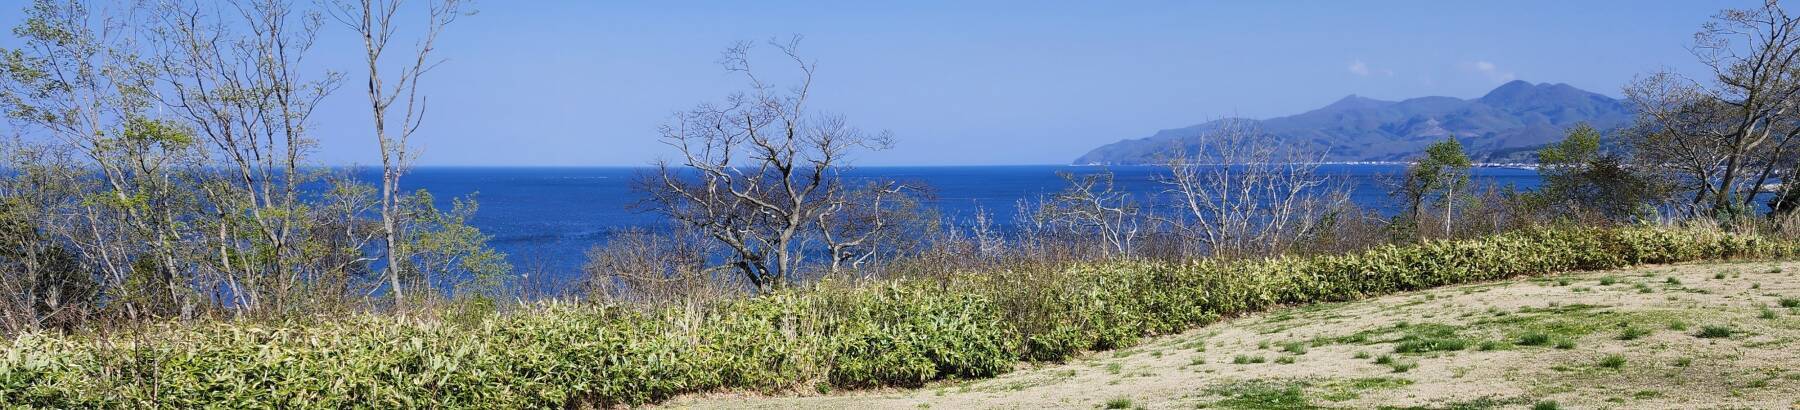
(376, 22)
(760, 173)
(43, 283)
(859, 222)
(231, 71)
(1092, 205)
(657, 268)
(1240, 192)
(1729, 136)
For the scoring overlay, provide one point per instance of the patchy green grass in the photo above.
(1534, 338)
(1633, 333)
(1403, 365)
(1294, 347)
(1351, 389)
(1481, 403)
(1412, 338)
(1613, 361)
(1295, 394)
(1261, 395)
(1563, 326)
(1427, 345)
(1715, 332)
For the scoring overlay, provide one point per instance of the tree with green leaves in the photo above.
(1579, 177)
(1442, 172)
(162, 150)
(75, 78)
(441, 245)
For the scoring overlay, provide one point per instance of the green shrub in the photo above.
(903, 336)
(826, 336)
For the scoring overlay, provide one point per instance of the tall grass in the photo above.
(901, 332)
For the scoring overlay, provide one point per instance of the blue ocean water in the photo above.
(546, 218)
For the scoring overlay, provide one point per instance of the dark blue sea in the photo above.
(545, 219)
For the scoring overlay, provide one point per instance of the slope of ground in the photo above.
(1680, 336)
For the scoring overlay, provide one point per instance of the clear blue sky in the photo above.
(546, 82)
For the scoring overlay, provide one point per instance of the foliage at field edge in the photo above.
(895, 333)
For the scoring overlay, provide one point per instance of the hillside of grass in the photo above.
(906, 332)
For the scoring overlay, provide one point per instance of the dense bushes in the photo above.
(903, 332)
(1104, 306)
(908, 336)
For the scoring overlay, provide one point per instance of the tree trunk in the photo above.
(1449, 201)
(389, 183)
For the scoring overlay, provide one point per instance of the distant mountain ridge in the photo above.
(1506, 125)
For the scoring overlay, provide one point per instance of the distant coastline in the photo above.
(1511, 165)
